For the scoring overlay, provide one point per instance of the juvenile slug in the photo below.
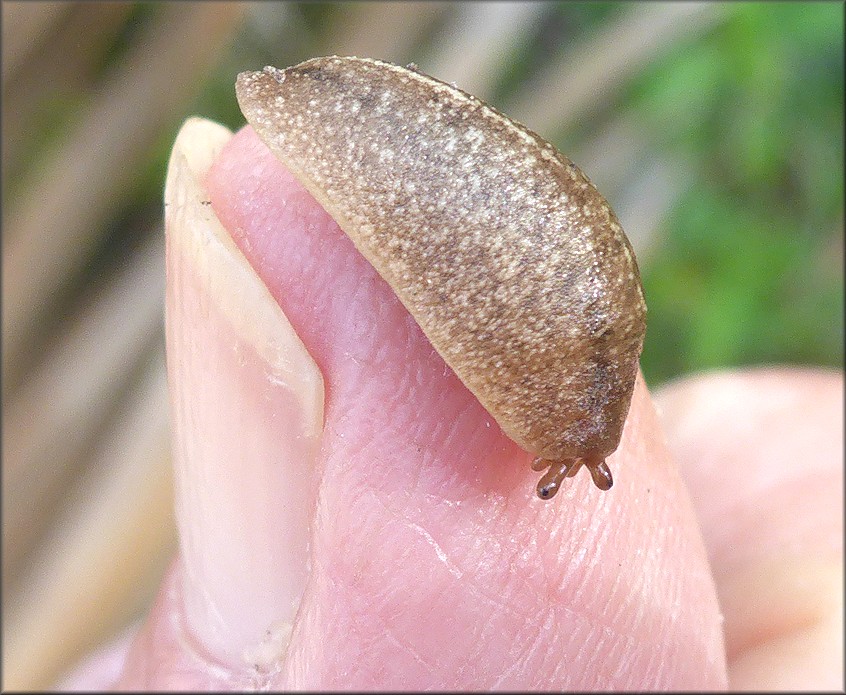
(513, 264)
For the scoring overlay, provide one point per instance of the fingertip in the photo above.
(762, 451)
(428, 516)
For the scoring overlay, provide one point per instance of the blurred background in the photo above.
(715, 131)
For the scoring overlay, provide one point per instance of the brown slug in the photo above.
(504, 252)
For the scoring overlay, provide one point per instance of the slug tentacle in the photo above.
(503, 251)
(550, 483)
(600, 473)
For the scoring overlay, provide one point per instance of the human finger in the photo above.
(762, 451)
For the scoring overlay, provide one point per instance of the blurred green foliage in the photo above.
(747, 267)
(750, 270)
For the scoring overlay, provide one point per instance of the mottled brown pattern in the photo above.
(500, 247)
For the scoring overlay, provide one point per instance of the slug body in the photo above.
(511, 261)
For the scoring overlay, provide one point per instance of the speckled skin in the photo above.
(513, 264)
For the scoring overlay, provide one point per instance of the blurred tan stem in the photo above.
(400, 26)
(58, 412)
(25, 27)
(41, 85)
(584, 76)
(475, 50)
(106, 550)
(51, 233)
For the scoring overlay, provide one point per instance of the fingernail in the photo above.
(247, 414)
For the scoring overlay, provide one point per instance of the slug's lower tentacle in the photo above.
(558, 470)
(600, 473)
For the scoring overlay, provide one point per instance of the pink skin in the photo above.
(434, 565)
(774, 533)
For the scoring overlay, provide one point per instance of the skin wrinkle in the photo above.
(439, 552)
(595, 537)
(658, 666)
(473, 650)
(604, 633)
(497, 603)
(653, 666)
(588, 657)
(618, 601)
(407, 649)
(656, 663)
(616, 609)
(447, 431)
(641, 596)
(529, 622)
(620, 656)
(561, 669)
(532, 647)
(580, 616)
(580, 633)
(385, 627)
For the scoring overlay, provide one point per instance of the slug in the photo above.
(513, 264)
